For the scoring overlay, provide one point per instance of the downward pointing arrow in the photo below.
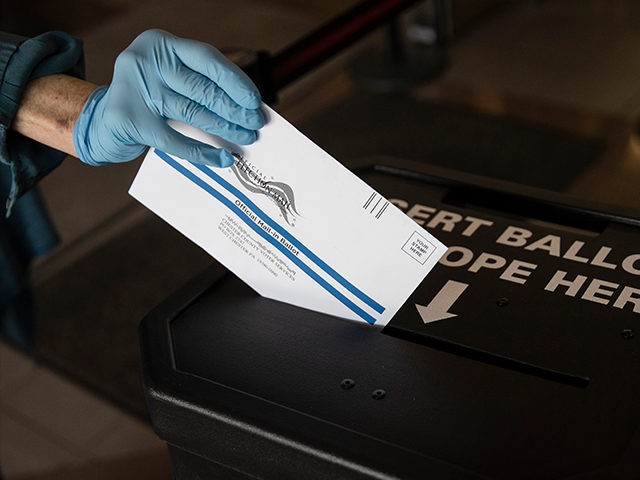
(439, 307)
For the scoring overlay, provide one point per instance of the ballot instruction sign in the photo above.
(293, 223)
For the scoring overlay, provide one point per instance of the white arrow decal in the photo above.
(439, 307)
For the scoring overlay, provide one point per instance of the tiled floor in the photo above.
(579, 57)
(47, 424)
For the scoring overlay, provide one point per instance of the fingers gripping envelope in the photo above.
(293, 223)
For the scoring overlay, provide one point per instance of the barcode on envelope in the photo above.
(376, 204)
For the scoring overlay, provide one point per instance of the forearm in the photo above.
(49, 108)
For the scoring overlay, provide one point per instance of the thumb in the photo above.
(187, 148)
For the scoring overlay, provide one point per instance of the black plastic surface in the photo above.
(521, 383)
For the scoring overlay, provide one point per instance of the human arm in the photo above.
(158, 77)
(161, 77)
(23, 162)
(49, 108)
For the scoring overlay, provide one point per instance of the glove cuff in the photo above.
(81, 129)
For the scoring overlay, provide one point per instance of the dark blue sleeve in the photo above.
(28, 231)
(22, 160)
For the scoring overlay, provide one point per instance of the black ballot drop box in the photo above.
(516, 358)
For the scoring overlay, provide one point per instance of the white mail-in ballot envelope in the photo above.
(293, 223)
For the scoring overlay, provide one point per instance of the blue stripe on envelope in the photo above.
(294, 241)
(225, 201)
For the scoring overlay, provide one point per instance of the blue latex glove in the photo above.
(159, 77)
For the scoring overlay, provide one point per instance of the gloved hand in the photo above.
(159, 77)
